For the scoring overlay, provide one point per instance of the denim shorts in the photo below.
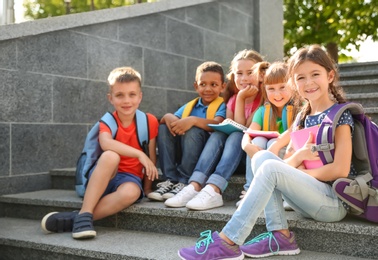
(120, 178)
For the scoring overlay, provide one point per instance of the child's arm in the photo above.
(239, 115)
(246, 144)
(107, 143)
(340, 166)
(147, 180)
(168, 119)
(281, 141)
(182, 125)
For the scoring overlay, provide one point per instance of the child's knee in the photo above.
(110, 157)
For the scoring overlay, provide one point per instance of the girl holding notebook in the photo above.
(275, 116)
(314, 76)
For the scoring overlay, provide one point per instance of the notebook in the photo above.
(266, 134)
(299, 138)
(228, 126)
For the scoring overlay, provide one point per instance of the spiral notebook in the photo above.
(228, 126)
(299, 138)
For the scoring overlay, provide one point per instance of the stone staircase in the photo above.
(149, 230)
(360, 83)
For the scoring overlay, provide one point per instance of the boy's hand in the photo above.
(180, 126)
(149, 167)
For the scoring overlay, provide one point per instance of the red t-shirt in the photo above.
(127, 135)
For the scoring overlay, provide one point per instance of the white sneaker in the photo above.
(175, 189)
(286, 206)
(163, 187)
(206, 199)
(181, 198)
(242, 194)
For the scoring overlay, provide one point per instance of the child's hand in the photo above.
(248, 147)
(247, 92)
(179, 127)
(306, 150)
(149, 167)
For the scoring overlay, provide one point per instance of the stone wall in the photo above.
(53, 71)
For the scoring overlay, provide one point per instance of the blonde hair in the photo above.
(122, 75)
(275, 74)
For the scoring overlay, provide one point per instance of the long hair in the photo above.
(231, 88)
(316, 54)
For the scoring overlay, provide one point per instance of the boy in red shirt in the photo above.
(116, 181)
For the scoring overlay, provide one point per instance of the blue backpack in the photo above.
(92, 150)
(361, 192)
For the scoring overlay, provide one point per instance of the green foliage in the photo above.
(344, 22)
(37, 9)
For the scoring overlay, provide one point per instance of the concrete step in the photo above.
(358, 66)
(65, 179)
(358, 75)
(351, 237)
(24, 239)
(360, 86)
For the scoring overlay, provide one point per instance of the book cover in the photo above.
(266, 134)
(228, 126)
(299, 138)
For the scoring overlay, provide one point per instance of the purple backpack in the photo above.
(361, 192)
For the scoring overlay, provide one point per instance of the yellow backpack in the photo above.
(211, 110)
(287, 116)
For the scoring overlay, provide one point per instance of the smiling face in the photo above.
(125, 97)
(312, 81)
(209, 85)
(278, 94)
(242, 74)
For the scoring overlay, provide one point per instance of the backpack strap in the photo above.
(109, 120)
(267, 111)
(325, 139)
(142, 130)
(287, 116)
(211, 109)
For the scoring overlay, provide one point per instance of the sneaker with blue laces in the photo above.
(211, 246)
(271, 243)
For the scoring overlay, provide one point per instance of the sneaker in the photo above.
(242, 194)
(211, 246)
(286, 206)
(271, 243)
(163, 187)
(181, 198)
(58, 222)
(175, 189)
(207, 198)
(83, 226)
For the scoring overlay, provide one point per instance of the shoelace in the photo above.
(264, 236)
(204, 240)
(164, 186)
(177, 187)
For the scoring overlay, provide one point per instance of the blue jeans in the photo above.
(263, 143)
(179, 154)
(219, 159)
(273, 180)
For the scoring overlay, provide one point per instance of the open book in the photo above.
(299, 138)
(266, 134)
(228, 126)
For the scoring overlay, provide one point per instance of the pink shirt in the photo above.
(248, 109)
